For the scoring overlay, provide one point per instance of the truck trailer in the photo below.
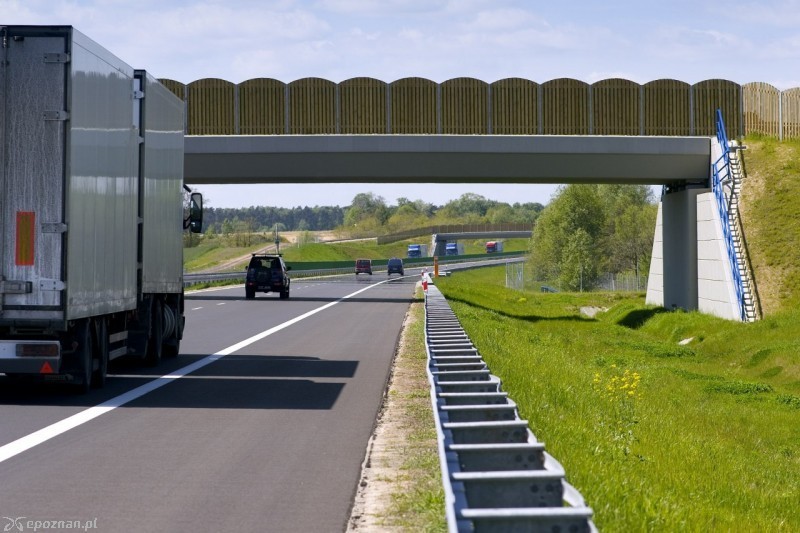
(454, 248)
(417, 250)
(494, 246)
(91, 209)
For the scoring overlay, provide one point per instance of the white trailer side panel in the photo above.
(102, 183)
(162, 211)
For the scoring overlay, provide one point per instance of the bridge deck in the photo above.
(445, 159)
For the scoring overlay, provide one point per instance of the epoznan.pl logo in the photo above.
(23, 524)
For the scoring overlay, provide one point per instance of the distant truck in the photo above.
(494, 246)
(454, 248)
(417, 250)
(92, 209)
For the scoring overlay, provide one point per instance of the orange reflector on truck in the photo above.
(39, 349)
(26, 225)
(46, 368)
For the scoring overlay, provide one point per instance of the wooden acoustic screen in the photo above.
(413, 106)
(210, 104)
(515, 107)
(565, 107)
(262, 107)
(465, 106)
(362, 102)
(312, 106)
(616, 107)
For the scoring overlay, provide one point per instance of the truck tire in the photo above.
(82, 373)
(155, 340)
(172, 334)
(285, 294)
(100, 332)
(249, 294)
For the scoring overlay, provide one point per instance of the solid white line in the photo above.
(27, 442)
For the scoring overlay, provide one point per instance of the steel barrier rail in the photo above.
(496, 475)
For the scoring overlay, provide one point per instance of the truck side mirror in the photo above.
(196, 213)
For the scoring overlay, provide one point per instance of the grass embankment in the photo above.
(771, 218)
(655, 434)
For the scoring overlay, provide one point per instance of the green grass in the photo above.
(415, 488)
(771, 214)
(707, 437)
(215, 251)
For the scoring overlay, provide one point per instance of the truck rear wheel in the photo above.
(82, 336)
(155, 340)
(100, 332)
(172, 333)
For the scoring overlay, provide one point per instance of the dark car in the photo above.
(394, 266)
(363, 266)
(267, 273)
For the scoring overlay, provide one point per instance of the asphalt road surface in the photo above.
(260, 424)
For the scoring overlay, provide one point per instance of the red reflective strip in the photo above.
(26, 225)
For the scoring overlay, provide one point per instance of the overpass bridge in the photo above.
(242, 159)
(683, 269)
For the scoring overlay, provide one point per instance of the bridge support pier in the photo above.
(690, 268)
(672, 282)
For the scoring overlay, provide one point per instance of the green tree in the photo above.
(566, 235)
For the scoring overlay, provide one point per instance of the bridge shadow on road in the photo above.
(232, 382)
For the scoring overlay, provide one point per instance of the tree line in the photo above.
(584, 232)
(368, 215)
(589, 230)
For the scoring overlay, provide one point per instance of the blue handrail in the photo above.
(719, 176)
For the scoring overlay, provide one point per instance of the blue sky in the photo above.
(738, 40)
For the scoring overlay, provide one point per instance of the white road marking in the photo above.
(223, 303)
(27, 442)
(196, 308)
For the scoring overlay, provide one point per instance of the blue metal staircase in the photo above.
(727, 175)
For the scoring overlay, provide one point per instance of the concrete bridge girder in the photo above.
(445, 159)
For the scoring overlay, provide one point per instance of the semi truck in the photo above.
(92, 209)
(494, 246)
(417, 250)
(454, 248)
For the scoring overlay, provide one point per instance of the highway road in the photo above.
(260, 424)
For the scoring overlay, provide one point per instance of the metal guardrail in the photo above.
(720, 174)
(496, 475)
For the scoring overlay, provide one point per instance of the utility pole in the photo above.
(277, 240)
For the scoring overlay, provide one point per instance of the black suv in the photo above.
(267, 273)
(394, 266)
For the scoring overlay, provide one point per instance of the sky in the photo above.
(589, 40)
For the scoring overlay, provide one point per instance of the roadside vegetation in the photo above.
(663, 420)
(403, 477)
(771, 215)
